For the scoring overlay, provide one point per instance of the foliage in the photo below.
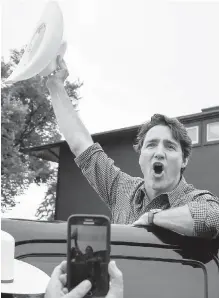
(46, 210)
(27, 121)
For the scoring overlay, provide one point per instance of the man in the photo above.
(163, 197)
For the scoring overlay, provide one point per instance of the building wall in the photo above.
(203, 168)
(75, 195)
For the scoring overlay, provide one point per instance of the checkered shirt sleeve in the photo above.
(205, 213)
(101, 173)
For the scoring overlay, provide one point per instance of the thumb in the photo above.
(58, 270)
(61, 62)
(80, 291)
(116, 281)
(139, 222)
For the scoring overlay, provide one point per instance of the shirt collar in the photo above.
(174, 195)
(177, 193)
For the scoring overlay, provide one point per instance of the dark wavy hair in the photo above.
(178, 130)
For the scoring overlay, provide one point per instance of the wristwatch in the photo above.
(151, 216)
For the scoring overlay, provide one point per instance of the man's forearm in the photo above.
(70, 124)
(177, 219)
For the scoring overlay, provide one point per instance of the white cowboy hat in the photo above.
(46, 43)
(18, 277)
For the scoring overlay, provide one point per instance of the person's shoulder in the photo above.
(88, 151)
(131, 182)
(133, 179)
(199, 193)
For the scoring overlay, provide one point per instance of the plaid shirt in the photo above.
(127, 198)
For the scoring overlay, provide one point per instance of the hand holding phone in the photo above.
(88, 252)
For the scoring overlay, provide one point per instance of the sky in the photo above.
(135, 58)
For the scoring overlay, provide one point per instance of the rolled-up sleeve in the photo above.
(100, 172)
(205, 213)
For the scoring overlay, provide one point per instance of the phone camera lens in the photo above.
(90, 293)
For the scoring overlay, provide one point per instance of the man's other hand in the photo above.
(59, 75)
(142, 221)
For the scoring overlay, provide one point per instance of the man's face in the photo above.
(161, 160)
(89, 251)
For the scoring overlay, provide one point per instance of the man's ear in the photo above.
(185, 162)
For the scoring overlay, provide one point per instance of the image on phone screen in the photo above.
(89, 257)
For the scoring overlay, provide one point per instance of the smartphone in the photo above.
(88, 252)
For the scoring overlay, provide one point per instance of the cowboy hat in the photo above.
(46, 43)
(19, 277)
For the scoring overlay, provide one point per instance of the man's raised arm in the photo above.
(70, 124)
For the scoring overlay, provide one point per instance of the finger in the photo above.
(45, 79)
(65, 291)
(56, 272)
(63, 279)
(116, 281)
(61, 63)
(63, 266)
(141, 221)
(64, 67)
(60, 269)
(138, 222)
(81, 290)
(114, 272)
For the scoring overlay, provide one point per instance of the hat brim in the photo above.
(28, 280)
(44, 45)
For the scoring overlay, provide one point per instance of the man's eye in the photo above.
(150, 145)
(171, 147)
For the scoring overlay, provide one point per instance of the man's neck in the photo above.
(152, 193)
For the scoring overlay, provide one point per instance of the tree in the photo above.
(28, 120)
(46, 210)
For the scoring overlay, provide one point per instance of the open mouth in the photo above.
(158, 168)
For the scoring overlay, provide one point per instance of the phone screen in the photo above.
(89, 257)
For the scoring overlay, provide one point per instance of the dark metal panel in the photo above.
(75, 195)
(203, 168)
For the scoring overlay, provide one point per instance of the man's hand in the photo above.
(57, 284)
(59, 75)
(143, 219)
(70, 124)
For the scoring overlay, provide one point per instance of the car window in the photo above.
(158, 279)
(152, 279)
(145, 270)
(211, 264)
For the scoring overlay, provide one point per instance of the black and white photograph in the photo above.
(110, 114)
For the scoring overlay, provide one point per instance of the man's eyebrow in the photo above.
(152, 141)
(165, 140)
(171, 142)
